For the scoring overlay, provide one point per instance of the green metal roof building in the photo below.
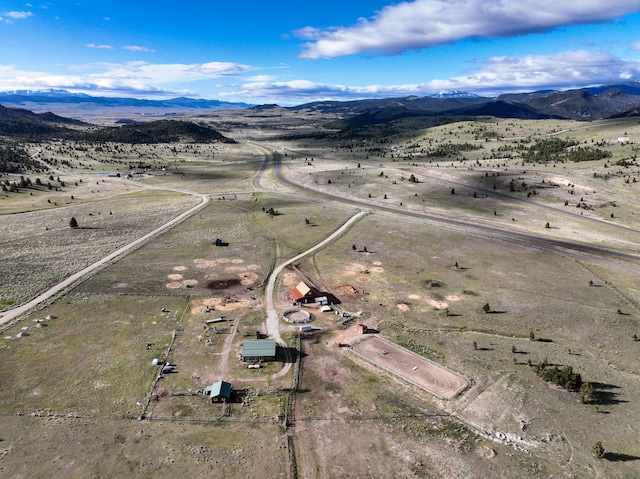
(220, 391)
(259, 350)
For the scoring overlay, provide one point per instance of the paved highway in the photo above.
(509, 235)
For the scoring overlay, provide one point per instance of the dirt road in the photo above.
(16, 312)
(273, 322)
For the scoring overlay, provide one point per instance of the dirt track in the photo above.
(411, 367)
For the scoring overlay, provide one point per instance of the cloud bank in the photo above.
(427, 23)
(495, 75)
(134, 78)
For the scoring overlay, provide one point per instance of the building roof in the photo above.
(300, 291)
(259, 347)
(219, 389)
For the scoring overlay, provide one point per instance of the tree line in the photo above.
(17, 160)
(559, 150)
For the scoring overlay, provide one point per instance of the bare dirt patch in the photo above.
(289, 280)
(248, 278)
(233, 269)
(179, 268)
(355, 268)
(346, 291)
(218, 304)
(187, 283)
(438, 304)
(403, 306)
(175, 277)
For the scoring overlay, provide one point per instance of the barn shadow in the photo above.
(288, 355)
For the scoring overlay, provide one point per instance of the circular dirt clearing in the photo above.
(346, 291)
(297, 316)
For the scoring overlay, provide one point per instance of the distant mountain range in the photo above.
(50, 96)
(594, 103)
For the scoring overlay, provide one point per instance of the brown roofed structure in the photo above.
(304, 294)
(300, 291)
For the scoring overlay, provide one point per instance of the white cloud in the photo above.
(134, 78)
(636, 46)
(261, 78)
(18, 15)
(562, 70)
(495, 75)
(8, 17)
(103, 47)
(427, 23)
(138, 48)
(490, 76)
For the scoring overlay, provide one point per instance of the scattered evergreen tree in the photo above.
(586, 392)
(598, 450)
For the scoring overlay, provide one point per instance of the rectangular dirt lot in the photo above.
(413, 368)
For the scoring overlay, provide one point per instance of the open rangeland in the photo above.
(474, 259)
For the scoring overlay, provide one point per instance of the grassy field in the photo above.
(92, 359)
(72, 390)
(40, 249)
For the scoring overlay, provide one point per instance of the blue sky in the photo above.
(291, 53)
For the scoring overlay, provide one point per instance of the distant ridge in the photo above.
(50, 96)
(454, 94)
(24, 125)
(595, 103)
(20, 114)
(584, 104)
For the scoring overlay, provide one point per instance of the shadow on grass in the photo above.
(287, 355)
(617, 457)
(603, 394)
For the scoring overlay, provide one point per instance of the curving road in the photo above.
(525, 238)
(273, 321)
